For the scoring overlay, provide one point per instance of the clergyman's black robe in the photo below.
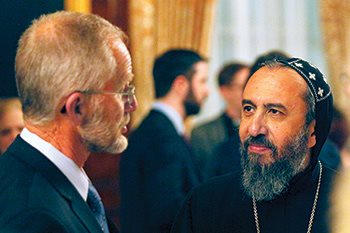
(221, 206)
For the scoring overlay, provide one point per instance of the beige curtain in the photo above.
(335, 18)
(78, 5)
(157, 25)
(339, 216)
(336, 28)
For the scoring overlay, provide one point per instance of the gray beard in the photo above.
(266, 182)
(99, 135)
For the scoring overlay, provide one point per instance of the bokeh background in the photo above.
(222, 30)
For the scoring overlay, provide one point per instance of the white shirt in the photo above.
(68, 167)
(172, 114)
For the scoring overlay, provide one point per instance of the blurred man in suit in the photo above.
(73, 74)
(206, 137)
(158, 168)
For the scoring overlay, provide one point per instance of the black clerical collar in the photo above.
(304, 179)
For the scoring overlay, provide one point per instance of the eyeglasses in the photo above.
(128, 96)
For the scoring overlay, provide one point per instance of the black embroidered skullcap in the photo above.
(323, 98)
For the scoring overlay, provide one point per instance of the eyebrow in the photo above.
(275, 105)
(268, 106)
(244, 101)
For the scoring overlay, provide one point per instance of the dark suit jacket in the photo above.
(226, 158)
(36, 197)
(206, 137)
(156, 172)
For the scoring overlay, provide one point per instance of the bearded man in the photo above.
(73, 74)
(286, 114)
(158, 169)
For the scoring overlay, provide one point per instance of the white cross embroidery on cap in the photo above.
(320, 92)
(299, 65)
(312, 76)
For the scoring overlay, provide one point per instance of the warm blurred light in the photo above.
(78, 5)
(345, 84)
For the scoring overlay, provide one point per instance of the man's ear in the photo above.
(74, 107)
(181, 84)
(312, 136)
(224, 91)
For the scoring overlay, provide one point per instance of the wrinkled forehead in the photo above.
(277, 81)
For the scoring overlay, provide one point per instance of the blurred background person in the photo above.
(206, 137)
(334, 153)
(11, 121)
(339, 135)
(158, 169)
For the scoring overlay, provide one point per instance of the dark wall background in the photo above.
(15, 17)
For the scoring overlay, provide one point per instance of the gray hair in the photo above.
(59, 54)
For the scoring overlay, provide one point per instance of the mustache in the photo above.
(259, 140)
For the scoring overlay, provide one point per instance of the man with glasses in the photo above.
(73, 74)
(158, 169)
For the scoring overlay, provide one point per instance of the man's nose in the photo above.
(257, 126)
(130, 106)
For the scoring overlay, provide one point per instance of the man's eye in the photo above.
(274, 111)
(247, 108)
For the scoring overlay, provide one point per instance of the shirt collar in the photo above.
(172, 114)
(75, 175)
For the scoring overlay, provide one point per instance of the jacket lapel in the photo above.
(25, 152)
